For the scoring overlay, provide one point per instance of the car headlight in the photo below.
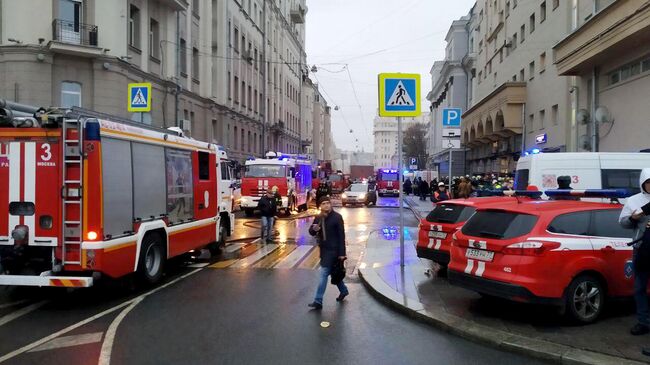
(343, 196)
(362, 196)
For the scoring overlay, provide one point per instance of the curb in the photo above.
(540, 349)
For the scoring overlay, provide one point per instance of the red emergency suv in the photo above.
(568, 253)
(437, 228)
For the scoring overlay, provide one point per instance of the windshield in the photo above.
(450, 213)
(499, 224)
(388, 177)
(265, 171)
(358, 188)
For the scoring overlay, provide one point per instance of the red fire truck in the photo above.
(88, 195)
(387, 182)
(292, 174)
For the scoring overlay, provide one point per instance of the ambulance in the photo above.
(85, 195)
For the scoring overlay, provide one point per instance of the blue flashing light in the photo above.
(535, 151)
(526, 153)
(92, 130)
(406, 172)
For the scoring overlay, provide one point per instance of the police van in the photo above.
(587, 170)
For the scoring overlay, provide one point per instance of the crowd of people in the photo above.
(461, 187)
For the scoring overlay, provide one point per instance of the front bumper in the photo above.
(499, 289)
(436, 256)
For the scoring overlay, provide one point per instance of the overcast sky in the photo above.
(371, 37)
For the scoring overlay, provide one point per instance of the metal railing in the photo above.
(75, 33)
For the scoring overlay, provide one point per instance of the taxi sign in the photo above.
(139, 97)
(399, 95)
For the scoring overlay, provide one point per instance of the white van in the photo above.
(588, 170)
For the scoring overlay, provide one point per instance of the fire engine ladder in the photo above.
(72, 192)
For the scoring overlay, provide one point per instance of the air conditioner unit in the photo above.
(246, 56)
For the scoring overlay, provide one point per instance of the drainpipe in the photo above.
(594, 104)
(178, 69)
(523, 130)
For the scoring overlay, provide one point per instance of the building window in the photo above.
(250, 98)
(236, 40)
(154, 39)
(507, 9)
(522, 76)
(70, 94)
(243, 94)
(229, 86)
(554, 114)
(542, 62)
(195, 7)
(214, 129)
(236, 90)
(542, 115)
(255, 60)
(531, 70)
(522, 33)
(556, 3)
(134, 26)
(183, 52)
(514, 4)
(514, 41)
(235, 144)
(532, 23)
(195, 63)
(531, 120)
(542, 12)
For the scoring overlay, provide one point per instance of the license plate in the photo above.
(480, 255)
(440, 235)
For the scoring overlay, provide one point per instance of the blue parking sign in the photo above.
(451, 117)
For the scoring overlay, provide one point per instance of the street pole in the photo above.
(401, 195)
(178, 70)
(264, 69)
(451, 148)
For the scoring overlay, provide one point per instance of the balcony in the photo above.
(75, 38)
(621, 26)
(298, 14)
(175, 5)
(496, 117)
(278, 128)
(305, 142)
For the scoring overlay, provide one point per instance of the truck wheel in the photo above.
(249, 212)
(584, 299)
(152, 259)
(216, 247)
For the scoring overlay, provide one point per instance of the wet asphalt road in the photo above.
(231, 309)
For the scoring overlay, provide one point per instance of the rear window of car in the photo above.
(450, 213)
(499, 224)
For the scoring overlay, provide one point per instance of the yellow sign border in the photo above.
(139, 109)
(382, 95)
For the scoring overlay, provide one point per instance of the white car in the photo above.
(359, 194)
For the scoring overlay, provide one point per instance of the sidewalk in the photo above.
(419, 207)
(533, 330)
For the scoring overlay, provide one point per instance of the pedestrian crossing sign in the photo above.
(399, 95)
(139, 97)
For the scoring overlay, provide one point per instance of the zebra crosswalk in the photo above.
(270, 256)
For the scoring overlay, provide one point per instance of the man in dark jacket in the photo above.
(330, 232)
(268, 209)
(424, 189)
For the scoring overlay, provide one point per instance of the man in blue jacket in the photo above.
(329, 229)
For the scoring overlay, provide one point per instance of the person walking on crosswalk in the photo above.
(329, 229)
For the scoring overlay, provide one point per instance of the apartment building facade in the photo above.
(385, 138)
(518, 100)
(229, 71)
(607, 54)
(449, 89)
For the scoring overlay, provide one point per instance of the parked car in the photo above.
(572, 254)
(359, 194)
(437, 228)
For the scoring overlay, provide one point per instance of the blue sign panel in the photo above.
(451, 117)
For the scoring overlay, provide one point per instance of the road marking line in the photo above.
(109, 339)
(272, 259)
(43, 340)
(223, 264)
(21, 312)
(294, 257)
(70, 341)
(235, 247)
(258, 255)
(13, 304)
(198, 265)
